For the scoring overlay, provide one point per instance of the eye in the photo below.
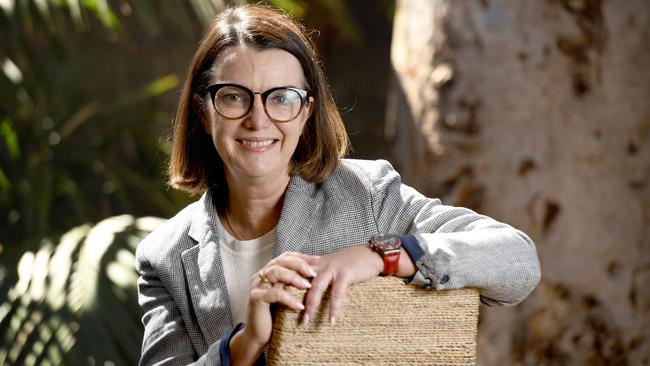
(283, 97)
(231, 96)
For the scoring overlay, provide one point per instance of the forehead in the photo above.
(257, 69)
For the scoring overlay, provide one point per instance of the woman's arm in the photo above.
(461, 248)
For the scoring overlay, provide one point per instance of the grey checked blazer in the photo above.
(182, 289)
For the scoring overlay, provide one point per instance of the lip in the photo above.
(257, 144)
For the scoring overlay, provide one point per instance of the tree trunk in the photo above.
(537, 113)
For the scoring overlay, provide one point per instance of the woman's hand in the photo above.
(267, 287)
(341, 269)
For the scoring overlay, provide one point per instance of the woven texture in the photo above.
(384, 322)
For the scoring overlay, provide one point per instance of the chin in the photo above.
(265, 169)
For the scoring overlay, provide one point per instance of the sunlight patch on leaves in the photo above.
(121, 270)
(75, 298)
(85, 279)
(61, 265)
(8, 6)
(11, 70)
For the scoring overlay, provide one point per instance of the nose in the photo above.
(257, 118)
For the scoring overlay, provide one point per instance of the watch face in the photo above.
(386, 242)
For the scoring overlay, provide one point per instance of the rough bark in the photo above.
(538, 113)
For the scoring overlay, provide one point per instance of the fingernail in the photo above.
(332, 321)
(305, 319)
(306, 283)
(301, 306)
(312, 273)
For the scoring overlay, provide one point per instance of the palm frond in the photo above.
(74, 300)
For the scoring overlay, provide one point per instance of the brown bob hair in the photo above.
(195, 164)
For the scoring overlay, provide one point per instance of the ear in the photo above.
(197, 105)
(312, 107)
(310, 110)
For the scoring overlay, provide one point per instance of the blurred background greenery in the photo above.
(88, 90)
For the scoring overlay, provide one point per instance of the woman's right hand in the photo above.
(267, 287)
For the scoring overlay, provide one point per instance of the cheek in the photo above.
(302, 125)
(296, 132)
(220, 135)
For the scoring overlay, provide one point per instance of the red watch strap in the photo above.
(391, 263)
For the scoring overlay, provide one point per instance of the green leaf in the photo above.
(153, 89)
(101, 9)
(161, 85)
(10, 138)
(5, 184)
(296, 8)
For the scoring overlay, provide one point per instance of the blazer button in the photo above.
(444, 279)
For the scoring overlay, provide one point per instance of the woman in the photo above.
(258, 132)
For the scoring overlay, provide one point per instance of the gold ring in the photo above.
(262, 276)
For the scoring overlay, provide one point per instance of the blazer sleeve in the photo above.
(462, 248)
(166, 340)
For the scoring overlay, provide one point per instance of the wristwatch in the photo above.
(389, 248)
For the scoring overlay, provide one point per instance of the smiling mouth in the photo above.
(256, 143)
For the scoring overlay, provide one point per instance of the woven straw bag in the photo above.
(384, 322)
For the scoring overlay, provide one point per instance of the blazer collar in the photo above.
(292, 231)
(296, 220)
(206, 282)
(204, 216)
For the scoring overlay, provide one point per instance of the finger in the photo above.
(285, 276)
(259, 282)
(276, 294)
(314, 296)
(337, 294)
(296, 262)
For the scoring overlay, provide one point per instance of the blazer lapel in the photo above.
(206, 282)
(300, 203)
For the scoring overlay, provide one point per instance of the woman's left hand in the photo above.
(340, 269)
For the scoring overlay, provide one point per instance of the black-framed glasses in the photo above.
(282, 104)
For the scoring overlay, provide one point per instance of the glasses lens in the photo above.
(232, 101)
(283, 105)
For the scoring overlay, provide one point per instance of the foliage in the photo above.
(74, 301)
(80, 122)
(80, 140)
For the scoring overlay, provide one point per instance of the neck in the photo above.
(254, 207)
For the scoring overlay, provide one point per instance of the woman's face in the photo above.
(254, 146)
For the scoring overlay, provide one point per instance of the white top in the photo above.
(241, 260)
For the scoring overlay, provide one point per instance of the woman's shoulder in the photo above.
(370, 173)
(171, 238)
